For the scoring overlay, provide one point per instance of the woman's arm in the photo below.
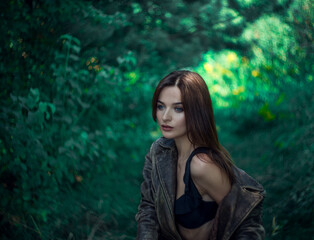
(209, 178)
(147, 224)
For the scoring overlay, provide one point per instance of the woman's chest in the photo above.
(180, 182)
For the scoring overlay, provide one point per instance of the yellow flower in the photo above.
(255, 73)
(238, 90)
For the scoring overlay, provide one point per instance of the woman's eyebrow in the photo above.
(177, 103)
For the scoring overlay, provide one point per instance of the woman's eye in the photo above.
(179, 109)
(160, 107)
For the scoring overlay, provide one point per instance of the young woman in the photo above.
(191, 189)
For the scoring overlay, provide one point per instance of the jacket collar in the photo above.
(166, 143)
(247, 182)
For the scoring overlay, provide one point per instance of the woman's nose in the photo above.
(166, 116)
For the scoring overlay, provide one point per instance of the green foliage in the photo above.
(267, 101)
(75, 118)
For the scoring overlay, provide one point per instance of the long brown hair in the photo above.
(199, 115)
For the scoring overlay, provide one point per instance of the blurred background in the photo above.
(77, 78)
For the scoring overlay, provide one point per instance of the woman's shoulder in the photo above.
(204, 162)
(201, 164)
(204, 167)
(209, 177)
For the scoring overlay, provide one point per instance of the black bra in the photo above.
(190, 209)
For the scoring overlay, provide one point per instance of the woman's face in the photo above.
(170, 113)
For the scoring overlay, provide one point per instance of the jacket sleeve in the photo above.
(252, 226)
(147, 223)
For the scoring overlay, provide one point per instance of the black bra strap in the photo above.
(186, 177)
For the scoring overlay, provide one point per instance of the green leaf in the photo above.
(32, 98)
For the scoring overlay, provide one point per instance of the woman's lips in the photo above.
(166, 127)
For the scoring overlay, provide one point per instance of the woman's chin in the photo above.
(167, 135)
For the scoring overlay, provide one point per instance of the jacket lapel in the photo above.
(167, 171)
(166, 165)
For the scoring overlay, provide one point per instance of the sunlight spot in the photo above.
(231, 57)
(215, 88)
(208, 67)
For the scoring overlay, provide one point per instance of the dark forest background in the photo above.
(77, 78)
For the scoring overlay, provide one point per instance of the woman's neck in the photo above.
(184, 147)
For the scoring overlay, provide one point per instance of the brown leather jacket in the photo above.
(239, 215)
